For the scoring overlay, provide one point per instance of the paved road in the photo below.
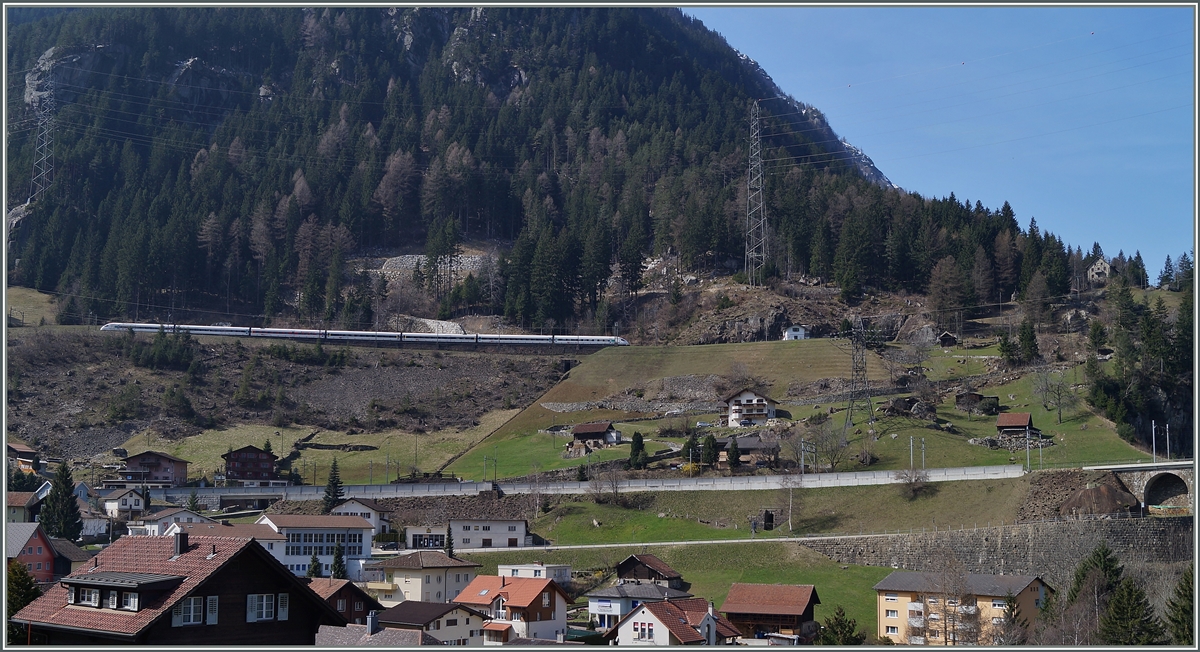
(738, 483)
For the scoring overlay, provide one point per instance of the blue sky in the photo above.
(1081, 117)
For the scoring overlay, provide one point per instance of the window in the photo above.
(933, 600)
(39, 550)
(487, 528)
(341, 604)
(891, 613)
(89, 597)
(466, 541)
(457, 579)
(426, 579)
(260, 606)
(546, 599)
(892, 630)
(514, 572)
(466, 528)
(39, 565)
(112, 599)
(358, 606)
(476, 528)
(451, 622)
(951, 602)
(193, 611)
(997, 603)
(537, 572)
(487, 543)
(889, 597)
(935, 616)
(512, 528)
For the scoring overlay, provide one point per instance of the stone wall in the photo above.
(1050, 550)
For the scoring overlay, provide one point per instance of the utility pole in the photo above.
(756, 216)
(860, 394)
(922, 453)
(910, 452)
(1153, 443)
(43, 152)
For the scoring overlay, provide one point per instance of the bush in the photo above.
(127, 404)
(724, 302)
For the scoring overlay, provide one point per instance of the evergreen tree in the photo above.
(1167, 276)
(581, 473)
(337, 570)
(840, 630)
(450, 540)
(1181, 610)
(708, 454)
(1014, 629)
(734, 454)
(20, 481)
(20, 589)
(1129, 619)
(60, 514)
(193, 502)
(1027, 340)
(1103, 560)
(1009, 349)
(314, 567)
(1097, 337)
(333, 489)
(691, 449)
(637, 452)
(267, 446)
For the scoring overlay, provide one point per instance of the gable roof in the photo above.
(117, 493)
(681, 618)
(976, 584)
(253, 448)
(1014, 420)
(327, 587)
(162, 455)
(518, 591)
(422, 559)
(365, 502)
(314, 520)
(777, 599)
(639, 591)
(747, 389)
(171, 511)
(151, 555)
(357, 636)
(19, 449)
(418, 613)
(655, 564)
(20, 498)
(258, 531)
(69, 550)
(596, 427)
(16, 535)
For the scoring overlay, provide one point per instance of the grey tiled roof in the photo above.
(977, 584)
(16, 535)
(646, 591)
(356, 636)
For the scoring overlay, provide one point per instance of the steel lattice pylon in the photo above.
(43, 154)
(756, 215)
(860, 389)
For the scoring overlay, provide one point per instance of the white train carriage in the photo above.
(346, 337)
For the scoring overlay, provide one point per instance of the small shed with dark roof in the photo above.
(772, 609)
(650, 568)
(602, 432)
(1014, 423)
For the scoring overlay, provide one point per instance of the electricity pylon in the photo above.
(756, 215)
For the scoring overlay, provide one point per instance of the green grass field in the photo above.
(32, 307)
(711, 569)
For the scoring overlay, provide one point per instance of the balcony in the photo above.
(915, 621)
(916, 640)
(916, 606)
(382, 586)
(968, 609)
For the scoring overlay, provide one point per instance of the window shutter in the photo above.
(251, 608)
(133, 604)
(70, 595)
(281, 608)
(112, 599)
(177, 615)
(212, 610)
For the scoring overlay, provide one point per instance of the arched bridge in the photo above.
(1156, 483)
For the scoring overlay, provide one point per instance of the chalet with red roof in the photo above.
(345, 597)
(772, 609)
(519, 607)
(673, 622)
(167, 591)
(649, 568)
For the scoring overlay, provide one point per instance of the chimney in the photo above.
(501, 581)
(710, 608)
(372, 622)
(181, 543)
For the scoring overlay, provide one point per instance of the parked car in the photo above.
(745, 423)
(703, 424)
(390, 545)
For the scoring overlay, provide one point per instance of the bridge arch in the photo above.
(1167, 488)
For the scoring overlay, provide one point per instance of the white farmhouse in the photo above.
(377, 515)
(795, 333)
(745, 406)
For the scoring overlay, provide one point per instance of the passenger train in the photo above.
(372, 337)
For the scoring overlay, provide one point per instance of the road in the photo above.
(180, 495)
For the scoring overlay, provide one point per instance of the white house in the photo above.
(308, 535)
(560, 573)
(125, 504)
(471, 533)
(272, 541)
(1099, 272)
(747, 406)
(673, 622)
(607, 606)
(377, 515)
(795, 333)
(519, 607)
(156, 523)
(425, 576)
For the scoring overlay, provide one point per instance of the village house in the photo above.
(307, 535)
(673, 622)
(168, 591)
(597, 434)
(377, 515)
(746, 407)
(518, 607)
(251, 466)
(155, 523)
(475, 533)
(939, 609)
(796, 332)
(753, 450)
(95, 523)
(68, 557)
(150, 469)
(425, 575)
(29, 545)
(758, 609)
(649, 568)
(608, 605)
(1015, 424)
(449, 623)
(1099, 272)
(947, 339)
(22, 506)
(23, 457)
(265, 535)
(345, 597)
(125, 504)
(560, 573)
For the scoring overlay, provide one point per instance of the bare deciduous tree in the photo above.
(830, 443)
(912, 482)
(1053, 390)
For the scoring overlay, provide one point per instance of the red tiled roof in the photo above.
(682, 617)
(657, 565)
(323, 520)
(18, 447)
(1014, 420)
(519, 591)
(19, 498)
(242, 530)
(137, 554)
(324, 586)
(496, 627)
(591, 428)
(780, 599)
